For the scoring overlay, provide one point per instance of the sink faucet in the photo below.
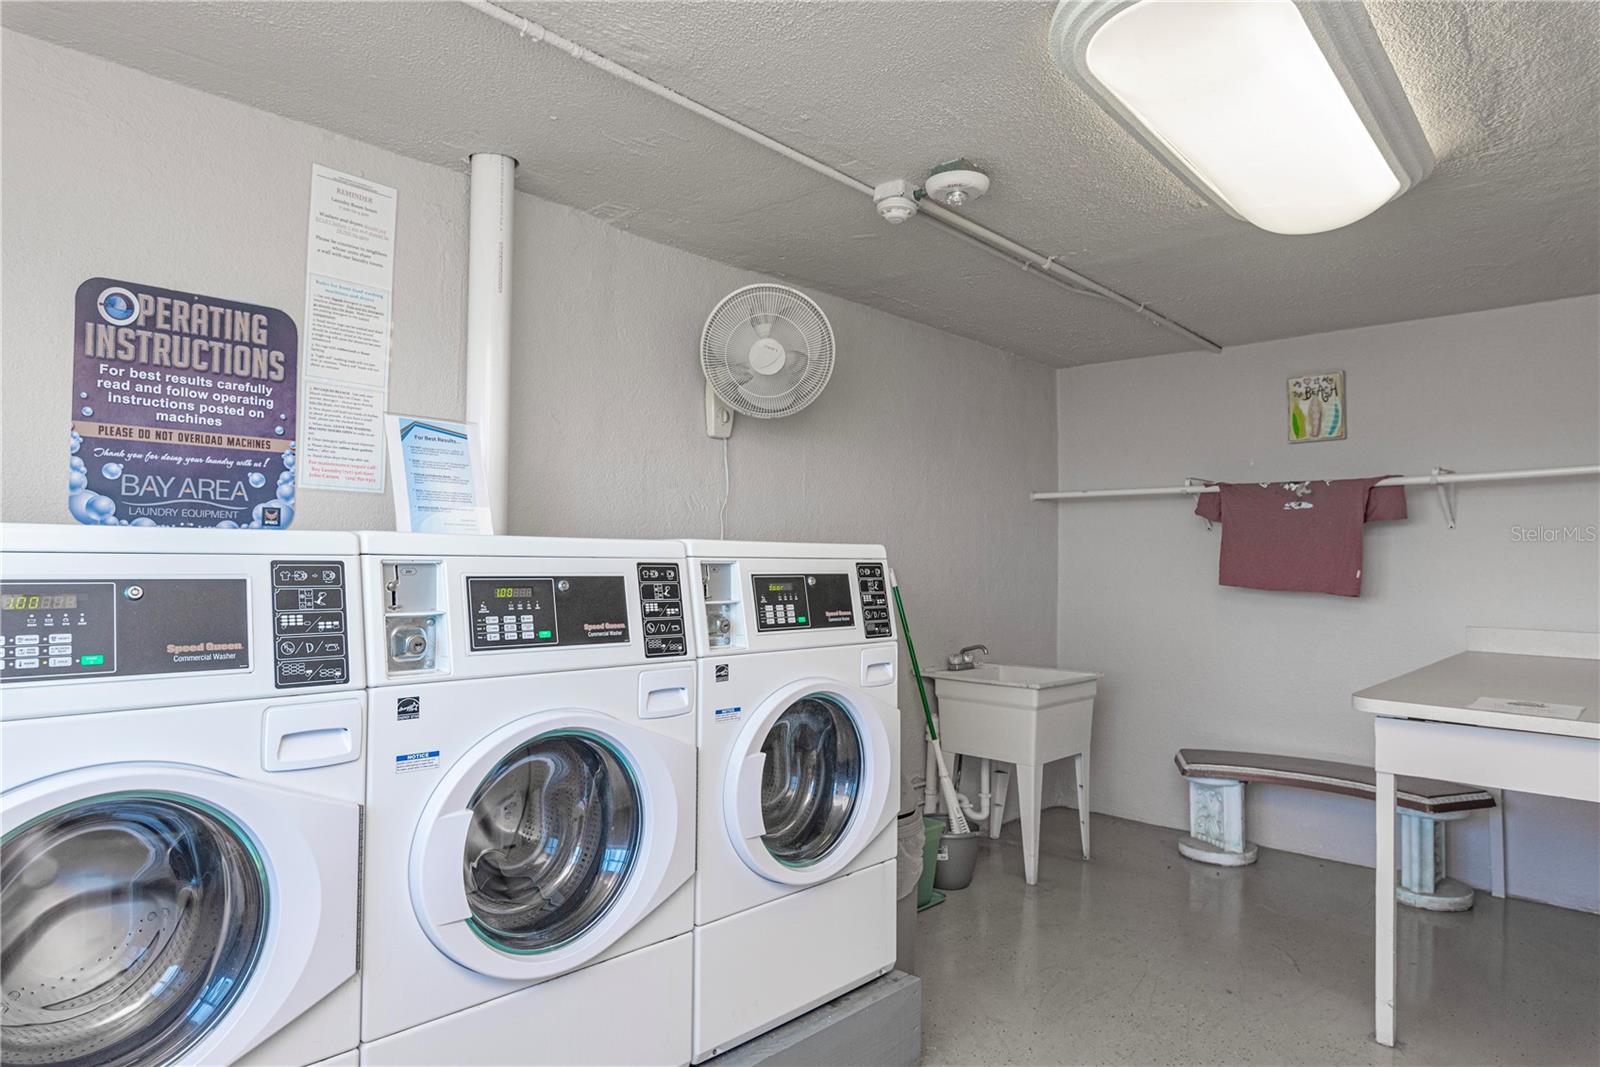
(965, 660)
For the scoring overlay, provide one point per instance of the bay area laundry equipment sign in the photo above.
(183, 410)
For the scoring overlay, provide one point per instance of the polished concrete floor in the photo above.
(1142, 957)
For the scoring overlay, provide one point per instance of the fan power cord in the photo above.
(727, 487)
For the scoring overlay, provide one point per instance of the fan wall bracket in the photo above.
(719, 417)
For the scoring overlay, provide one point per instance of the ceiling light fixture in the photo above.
(1286, 113)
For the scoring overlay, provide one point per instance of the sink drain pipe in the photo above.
(994, 243)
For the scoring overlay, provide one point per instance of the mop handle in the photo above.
(958, 818)
(911, 650)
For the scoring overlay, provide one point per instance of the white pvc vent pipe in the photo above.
(489, 320)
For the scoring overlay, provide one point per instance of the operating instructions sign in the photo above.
(183, 410)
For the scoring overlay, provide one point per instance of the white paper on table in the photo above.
(439, 484)
(1527, 707)
(341, 437)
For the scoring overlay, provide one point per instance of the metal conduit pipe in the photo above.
(992, 242)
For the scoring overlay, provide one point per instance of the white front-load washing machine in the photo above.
(181, 726)
(799, 740)
(530, 824)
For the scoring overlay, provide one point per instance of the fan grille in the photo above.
(762, 313)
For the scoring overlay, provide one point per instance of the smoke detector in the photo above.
(896, 200)
(956, 183)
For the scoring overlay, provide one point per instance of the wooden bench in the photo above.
(1216, 816)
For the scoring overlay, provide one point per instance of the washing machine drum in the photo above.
(811, 779)
(553, 835)
(128, 927)
(809, 782)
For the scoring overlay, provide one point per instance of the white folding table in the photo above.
(1425, 725)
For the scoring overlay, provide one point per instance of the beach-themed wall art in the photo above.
(1316, 407)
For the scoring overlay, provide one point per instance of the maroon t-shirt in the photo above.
(1298, 536)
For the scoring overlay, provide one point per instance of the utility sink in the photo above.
(1015, 677)
(1028, 716)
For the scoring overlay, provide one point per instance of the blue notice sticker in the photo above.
(416, 761)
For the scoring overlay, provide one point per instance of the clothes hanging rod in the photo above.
(1439, 477)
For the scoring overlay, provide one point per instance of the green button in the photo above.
(544, 635)
(91, 661)
(800, 618)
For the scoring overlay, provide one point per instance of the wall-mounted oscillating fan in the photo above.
(767, 352)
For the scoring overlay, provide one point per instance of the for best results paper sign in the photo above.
(183, 410)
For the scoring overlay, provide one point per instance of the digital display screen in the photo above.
(523, 612)
(56, 629)
(802, 601)
(38, 602)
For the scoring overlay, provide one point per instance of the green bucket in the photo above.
(932, 830)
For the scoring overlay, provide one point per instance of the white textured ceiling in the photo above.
(1509, 95)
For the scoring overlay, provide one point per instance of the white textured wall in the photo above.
(923, 441)
(1190, 663)
(111, 172)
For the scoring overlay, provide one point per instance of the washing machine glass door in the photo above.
(131, 922)
(550, 839)
(553, 837)
(808, 785)
(811, 779)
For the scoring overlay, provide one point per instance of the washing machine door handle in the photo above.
(748, 800)
(440, 885)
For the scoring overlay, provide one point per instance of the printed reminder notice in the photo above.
(349, 281)
(438, 478)
(183, 410)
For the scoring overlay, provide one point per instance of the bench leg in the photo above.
(1216, 823)
(1423, 854)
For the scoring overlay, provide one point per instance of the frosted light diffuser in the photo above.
(1288, 115)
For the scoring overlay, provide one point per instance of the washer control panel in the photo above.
(801, 601)
(874, 599)
(309, 644)
(122, 626)
(661, 608)
(523, 612)
(57, 629)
